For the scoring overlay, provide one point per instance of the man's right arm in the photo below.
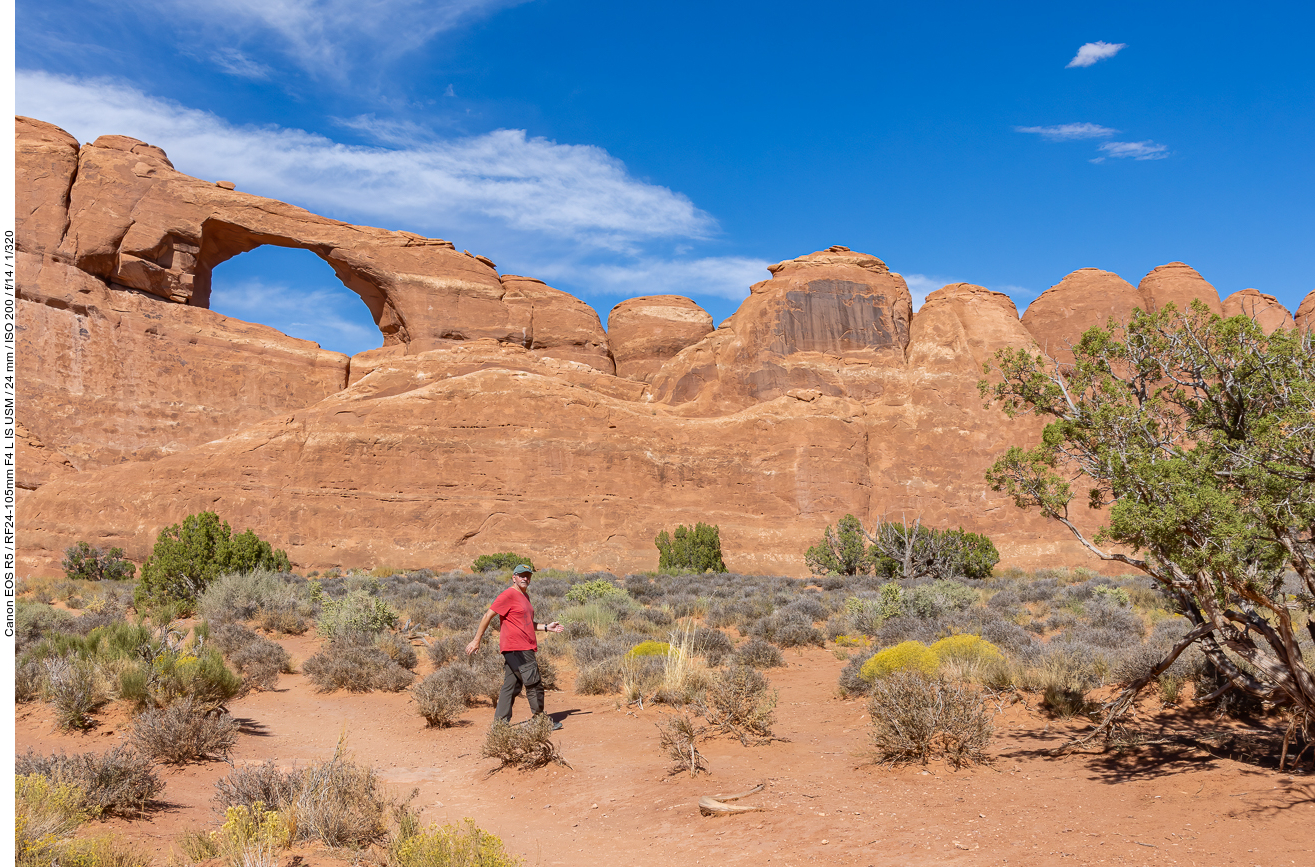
(479, 634)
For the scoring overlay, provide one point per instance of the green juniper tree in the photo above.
(690, 549)
(188, 556)
(1197, 434)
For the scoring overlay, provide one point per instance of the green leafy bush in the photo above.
(696, 549)
(190, 555)
(505, 561)
(85, 563)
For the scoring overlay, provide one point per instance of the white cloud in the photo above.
(722, 276)
(324, 36)
(502, 179)
(1093, 51)
(1068, 131)
(1137, 150)
(236, 63)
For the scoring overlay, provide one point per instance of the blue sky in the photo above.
(624, 149)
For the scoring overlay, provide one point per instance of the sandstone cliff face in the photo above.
(1269, 314)
(645, 333)
(497, 414)
(834, 322)
(1178, 284)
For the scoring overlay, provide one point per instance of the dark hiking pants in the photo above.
(519, 669)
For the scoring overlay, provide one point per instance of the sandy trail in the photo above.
(823, 802)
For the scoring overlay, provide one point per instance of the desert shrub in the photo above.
(358, 611)
(938, 599)
(34, 620)
(916, 718)
(258, 784)
(190, 555)
(590, 591)
(27, 680)
(260, 663)
(738, 702)
(441, 697)
(788, 628)
(340, 803)
(969, 657)
(73, 688)
(851, 680)
(174, 672)
(757, 653)
(599, 678)
(115, 782)
(808, 606)
(589, 649)
(456, 845)
(252, 836)
(657, 616)
(696, 549)
(82, 562)
(245, 595)
(641, 676)
(505, 561)
(184, 732)
(712, 644)
(398, 649)
(45, 814)
(592, 618)
(678, 736)
(444, 650)
(355, 667)
(230, 636)
(526, 746)
(910, 655)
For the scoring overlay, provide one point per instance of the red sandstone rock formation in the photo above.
(645, 333)
(1178, 284)
(1304, 318)
(497, 415)
(1265, 309)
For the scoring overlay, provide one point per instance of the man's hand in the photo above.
(472, 647)
(554, 627)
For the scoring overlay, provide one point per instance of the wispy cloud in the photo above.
(1068, 131)
(1137, 150)
(335, 319)
(501, 179)
(1092, 52)
(236, 63)
(722, 276)
(326, 36)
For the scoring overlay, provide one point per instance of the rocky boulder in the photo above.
(1265, 309)
(1178, 284)
(644, 333)
(1305, 315)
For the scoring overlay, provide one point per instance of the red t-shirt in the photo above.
(517, 630)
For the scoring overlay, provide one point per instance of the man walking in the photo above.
(518, 641)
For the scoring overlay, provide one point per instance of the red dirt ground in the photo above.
(824, 802)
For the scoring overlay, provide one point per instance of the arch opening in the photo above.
(294, 290)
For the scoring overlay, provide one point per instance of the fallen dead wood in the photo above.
(714, 805)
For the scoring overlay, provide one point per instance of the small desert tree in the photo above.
(1198, 434)
(188, 556)
(918, 551)
(696, 549)
(842, 550)
(507, 560)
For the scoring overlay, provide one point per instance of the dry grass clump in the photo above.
(73, 688)
(353, 662)
(336, 801)
(183, 732)
(441, 697)
(916, 718)
(600, 678)
(118, 781)
(738, 703)
(526, 746)
(679, 737)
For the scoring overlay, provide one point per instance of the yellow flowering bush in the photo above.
(908, 656)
